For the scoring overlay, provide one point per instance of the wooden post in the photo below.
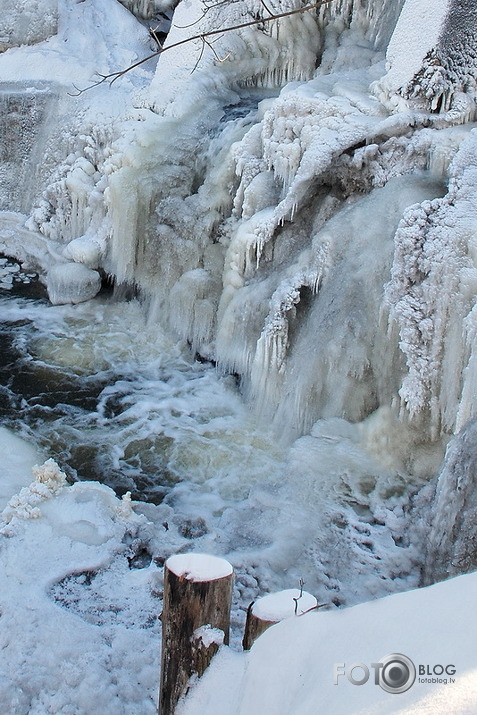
(273, 608)
(195, 620)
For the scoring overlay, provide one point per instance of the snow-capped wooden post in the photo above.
(195, 620)
(273, 608)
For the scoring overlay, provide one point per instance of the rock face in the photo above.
(72, 283)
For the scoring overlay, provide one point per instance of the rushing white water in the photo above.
(113, 399)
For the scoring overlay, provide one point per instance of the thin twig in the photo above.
(313, 608)
(152, 32)
(266, 8)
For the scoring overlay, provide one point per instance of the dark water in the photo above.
(111, 400)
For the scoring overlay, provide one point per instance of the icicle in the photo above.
(269, 364)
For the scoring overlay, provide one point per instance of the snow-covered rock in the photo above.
(72, 283)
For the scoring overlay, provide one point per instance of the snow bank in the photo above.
(301, 665)
(79, 626)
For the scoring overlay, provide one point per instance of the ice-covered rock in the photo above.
(433, 70)
(84, 250)
(72, 283)
(26, 22)
(452, 536)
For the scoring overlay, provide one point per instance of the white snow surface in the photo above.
(277, 606)
(199, 567)
(290, 669)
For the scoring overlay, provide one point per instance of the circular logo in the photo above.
(397, 674)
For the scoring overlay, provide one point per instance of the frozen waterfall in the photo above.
(295, 201)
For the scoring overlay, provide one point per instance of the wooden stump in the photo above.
(273, 608)
(195, 620)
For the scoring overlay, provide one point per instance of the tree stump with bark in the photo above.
(195, 620)
(273, 608)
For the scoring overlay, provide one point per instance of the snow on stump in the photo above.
(273, 608)
(195, 620)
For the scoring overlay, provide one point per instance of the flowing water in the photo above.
(112, 399)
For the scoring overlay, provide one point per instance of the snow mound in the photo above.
(301, 665)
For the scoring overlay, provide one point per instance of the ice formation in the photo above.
(49, 480)
(293, 200)
(434, 71)
(72, 283)
(451, 540)
(25, 22)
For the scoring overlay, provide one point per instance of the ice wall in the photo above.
(353, 31)
(432, 299)
(24, 112)
(452, 537)
(263, 229)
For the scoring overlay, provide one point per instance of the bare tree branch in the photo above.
(266, 8)
(203, 37)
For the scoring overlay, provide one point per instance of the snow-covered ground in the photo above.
(301, 666)
(80, 631)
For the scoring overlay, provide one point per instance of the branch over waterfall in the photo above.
(205, 38)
